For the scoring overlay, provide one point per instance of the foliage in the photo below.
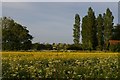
(14, 35)
(48, 46)
(0, 34)
(115, 47)
(89, 30)
(108, 26)
(74, 47)
(60, 46)
(76, 30)
(84, 32)
(100, 30)
(116, 32)
(67, 65)
(38, 46)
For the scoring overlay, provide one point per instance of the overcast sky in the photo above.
(53, 22)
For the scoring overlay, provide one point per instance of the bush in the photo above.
(74, 47)
(115, 48)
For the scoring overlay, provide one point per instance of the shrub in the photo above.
(115, 47)
(74, 47)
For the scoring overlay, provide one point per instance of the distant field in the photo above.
(68, 65)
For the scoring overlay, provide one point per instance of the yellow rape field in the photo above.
(65, 55)
(56, 65)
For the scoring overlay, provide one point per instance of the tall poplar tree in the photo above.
(89, 38)
(92, 28)
(76, 30)
(100, 29)
(84, 32)
(108, 26)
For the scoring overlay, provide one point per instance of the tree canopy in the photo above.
(108, 26)
(14, 35)
(116, 32)
(100, 29)
(89, 30)
(76, 30)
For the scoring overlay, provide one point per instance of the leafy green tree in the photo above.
(115, 47)
(0, 34)
(54, 45)
(36, 46)
(116, 32)
(48, 46)
(108, 26)
(100, 30)
(76, 30)
(89, 38)
(74, 47)
(92, 28)
(59, 46)
(84, 32)
(27, 45)
(14, 35)
(90, 45)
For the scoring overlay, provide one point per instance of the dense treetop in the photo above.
(14, 35)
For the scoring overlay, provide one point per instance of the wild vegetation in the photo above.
(57, 65)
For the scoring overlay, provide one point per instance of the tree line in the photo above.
(16, 37)
(96, 33)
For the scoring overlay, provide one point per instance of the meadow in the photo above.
(57, 65)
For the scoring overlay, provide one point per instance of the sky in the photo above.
(59, 0)
(0, 9)
(52, 22)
